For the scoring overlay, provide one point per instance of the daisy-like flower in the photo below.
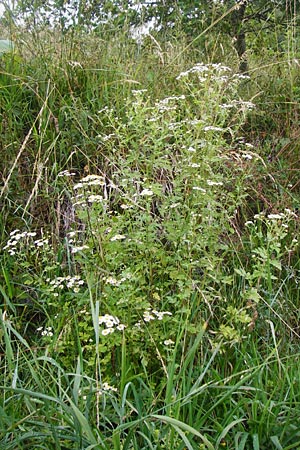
(66, 173)
(90, 180)
(168, 342)
(107, 387)
(95, 198)
(214, 183)
(247, 156)
(47, 331)
(79, 248)
(212, 128)
(111, 323)
(147, 192)
(197, 188)
(153, 314)
(117, 237)
(279, 216)
(107, 331)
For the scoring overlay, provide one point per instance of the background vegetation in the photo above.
(149, 226)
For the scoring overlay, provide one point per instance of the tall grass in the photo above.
(149, 247)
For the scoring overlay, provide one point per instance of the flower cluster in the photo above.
(244, 105)
(111, 323)
(168, 342)
(203, 69)
(61, 283)
(168, 103)
(47, 331)
(73, 240)
(79, 248)
(287, 214)
(146, 192)
(84, 191)
(214, 183)
(116, 282)
(66, 173)
(153, 314)
(138, 92)
(90, 180)
(107, 387)
(117, 237)
(18, 239)
(212, 128)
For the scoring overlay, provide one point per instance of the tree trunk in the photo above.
(239, 35)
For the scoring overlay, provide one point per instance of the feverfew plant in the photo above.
(271, 247)
(155, 221)
(159, 214)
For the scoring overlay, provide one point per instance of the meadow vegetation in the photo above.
(149, 242)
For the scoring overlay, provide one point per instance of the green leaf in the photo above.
(255, 441)
(276, 264)
(183, 426)
(240, 440)
(226, 429)
(242, 272)
(276, 442)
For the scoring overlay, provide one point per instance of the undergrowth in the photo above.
(149, 265)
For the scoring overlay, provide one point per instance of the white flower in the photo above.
(77, 186)
(148, 317)
(107, 387)
(168, 342)
(108, 137)
(118, 237)
(290, 212)
(107, 331)
(112, 281)
(90, 180)
(212, 128)
(147, 192)
(79, 249)
(46, 331)
(31, 234)
(109, 320)
(138, 91)
(276, 216)
(75, 64)
(66, 173)
(259, 215)
(41, 242)
(197, 188)
(214, 183)
(227, 106)
(194, 122)
(95, 198)
(247, 156)
(14, 232)
(152, 314)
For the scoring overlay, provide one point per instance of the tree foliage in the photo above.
(234, 18)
